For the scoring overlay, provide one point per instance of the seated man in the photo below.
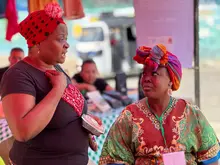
(87, 79)
(16, 55)
(6, 138)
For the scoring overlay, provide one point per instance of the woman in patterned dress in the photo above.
(159, 123)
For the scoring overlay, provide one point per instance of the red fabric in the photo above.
(37, 26)
(12, 17)
(73, 97)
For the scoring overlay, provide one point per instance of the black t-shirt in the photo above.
(2, 71)
(64, 141)
(99, 83)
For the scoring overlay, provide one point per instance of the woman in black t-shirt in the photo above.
(42, 107)
(87, 79)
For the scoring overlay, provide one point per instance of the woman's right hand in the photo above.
(57, 79)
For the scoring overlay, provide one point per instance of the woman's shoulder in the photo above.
(20, 66)
(20, 73)
(23, 69)
(18, 69)
(18, 79)
(188, 103)
(190, 108)
(180, 102)
(177, 102)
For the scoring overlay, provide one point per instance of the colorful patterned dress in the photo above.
(139, 138)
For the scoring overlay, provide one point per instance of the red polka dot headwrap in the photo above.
(37, 26)
(159, 56)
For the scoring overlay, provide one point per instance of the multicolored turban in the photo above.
(37, 26)
(159, 56)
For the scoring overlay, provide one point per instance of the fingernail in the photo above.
(93, 138)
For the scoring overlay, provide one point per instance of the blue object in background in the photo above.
(22, 5)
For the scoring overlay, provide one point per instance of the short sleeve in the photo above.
(118, 146)
(17, 81)
(208, 151)
(101, 84)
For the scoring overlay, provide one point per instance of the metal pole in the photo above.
(196, 53)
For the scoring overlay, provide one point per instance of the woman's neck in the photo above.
(38, 63)
(158, 106)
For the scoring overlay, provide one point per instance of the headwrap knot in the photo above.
(53, 10)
